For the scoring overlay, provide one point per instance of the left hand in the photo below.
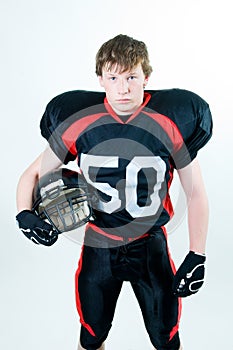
(36, 229)
(190, 276)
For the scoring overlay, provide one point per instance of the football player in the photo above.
(128, 142)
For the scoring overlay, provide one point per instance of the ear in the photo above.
(145, 81)
(101, 80)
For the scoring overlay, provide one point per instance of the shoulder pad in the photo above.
(189, 112)
(60, 112)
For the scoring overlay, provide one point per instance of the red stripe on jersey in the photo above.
(98, 230)
(176, 327)
(114, 237)
(167, 204)
(71, 134)
(169, 127)
(78, 301)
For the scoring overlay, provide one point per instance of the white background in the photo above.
(48, 47)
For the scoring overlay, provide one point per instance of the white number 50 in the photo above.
(132, 170)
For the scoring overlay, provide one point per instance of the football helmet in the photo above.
(61, 197)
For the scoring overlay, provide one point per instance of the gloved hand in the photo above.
(190, 276)
(35, 229)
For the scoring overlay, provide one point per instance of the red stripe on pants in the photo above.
(175, 328)
(78, 301)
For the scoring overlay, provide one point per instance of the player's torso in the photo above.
(129, 163)
(130, 166)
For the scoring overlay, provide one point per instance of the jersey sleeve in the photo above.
(192, 116)
(60, 113)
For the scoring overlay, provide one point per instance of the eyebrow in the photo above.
(108, 73)
(129, 73)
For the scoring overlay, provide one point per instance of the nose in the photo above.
(123, 87)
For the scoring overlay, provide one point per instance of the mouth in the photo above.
(123, 100)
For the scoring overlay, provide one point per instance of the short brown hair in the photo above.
(124, 52)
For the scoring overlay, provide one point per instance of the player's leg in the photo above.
(97, 292)
(156, 349)
(81, 348)
(160, 308)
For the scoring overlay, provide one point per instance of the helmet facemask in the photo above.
(66, 207)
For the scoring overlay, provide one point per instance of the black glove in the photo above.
(190, 276)
(35, 229)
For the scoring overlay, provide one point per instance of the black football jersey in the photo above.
(129, 162)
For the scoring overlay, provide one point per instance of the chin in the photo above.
(123, 109)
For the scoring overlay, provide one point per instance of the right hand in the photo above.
(190, 276)
(35, 229)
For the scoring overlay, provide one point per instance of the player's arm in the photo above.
(46, 161)
(34, 228)
(198, 212)
(190, 275)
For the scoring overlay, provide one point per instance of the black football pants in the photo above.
(147, 265)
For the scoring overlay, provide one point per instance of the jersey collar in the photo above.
(108, 107)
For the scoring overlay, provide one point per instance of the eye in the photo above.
(113, 78)
(132, 77)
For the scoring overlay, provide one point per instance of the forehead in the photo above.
(117, 69)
